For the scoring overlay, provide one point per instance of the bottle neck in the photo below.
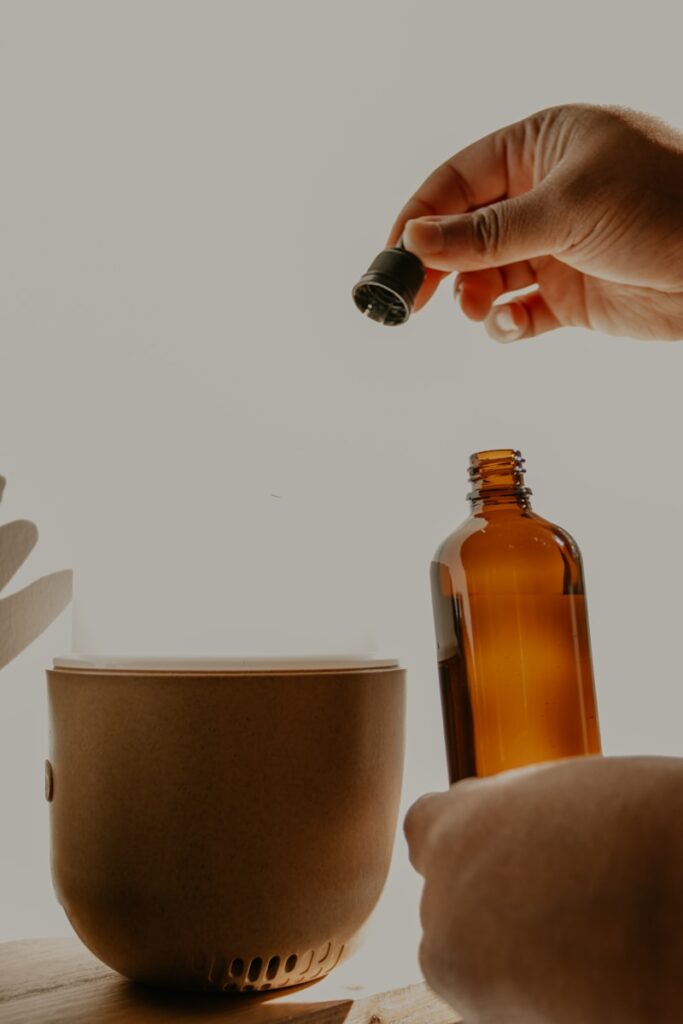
(497, 479)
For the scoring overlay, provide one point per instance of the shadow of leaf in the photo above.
(27, 613)
(17, 541)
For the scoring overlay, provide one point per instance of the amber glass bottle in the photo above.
(512, 631)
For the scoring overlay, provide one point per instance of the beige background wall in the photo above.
(233, 460)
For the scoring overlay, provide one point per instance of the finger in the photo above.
(525, 318)
(479, 289)
(418, 824)
(499, 165)
(433, 279)
(522, 228)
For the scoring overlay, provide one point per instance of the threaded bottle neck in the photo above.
(497, 478)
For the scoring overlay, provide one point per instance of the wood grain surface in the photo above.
(56, 981)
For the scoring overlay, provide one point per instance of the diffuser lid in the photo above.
(341, 663)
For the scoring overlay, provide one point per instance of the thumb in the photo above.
(516, 229)
(418, 825)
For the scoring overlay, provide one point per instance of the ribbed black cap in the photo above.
(387, 290)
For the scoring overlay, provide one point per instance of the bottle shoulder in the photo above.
(452, 545)
(503, 548)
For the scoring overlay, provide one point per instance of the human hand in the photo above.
(554, 894)
(584, 203)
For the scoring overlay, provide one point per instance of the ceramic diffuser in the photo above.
(223, 825)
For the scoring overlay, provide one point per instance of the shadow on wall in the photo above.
(25, 614)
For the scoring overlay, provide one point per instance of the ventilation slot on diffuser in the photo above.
(260, 973)
(255, 968)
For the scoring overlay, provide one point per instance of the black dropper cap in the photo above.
(387, 290)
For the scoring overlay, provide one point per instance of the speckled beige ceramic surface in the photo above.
(227, 829)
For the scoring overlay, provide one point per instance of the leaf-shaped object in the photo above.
(17, 541)
(26, 614)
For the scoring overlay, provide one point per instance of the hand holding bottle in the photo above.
(554, 893)
(584, 203)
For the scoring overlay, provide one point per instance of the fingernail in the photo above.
(423, 236)
(502, 324)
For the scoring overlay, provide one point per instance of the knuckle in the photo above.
(487, 231)
(435, 959)
(442, 964)
(426, 959)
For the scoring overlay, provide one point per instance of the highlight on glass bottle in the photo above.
(513, 644)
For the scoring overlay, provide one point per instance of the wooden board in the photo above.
(56, 981)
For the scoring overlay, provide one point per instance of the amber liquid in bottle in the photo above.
(513, 645)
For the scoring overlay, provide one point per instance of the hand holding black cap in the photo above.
(387, 290)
